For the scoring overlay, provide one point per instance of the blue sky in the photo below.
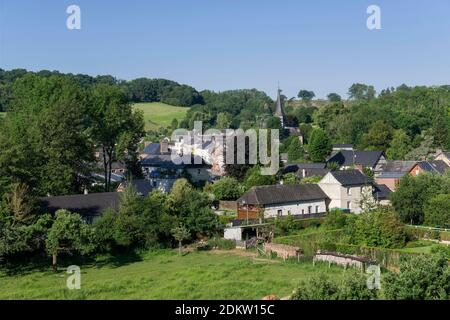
(320, 45)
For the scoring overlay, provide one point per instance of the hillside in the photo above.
(157, 114)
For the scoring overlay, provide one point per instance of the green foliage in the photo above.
(321, 287)
(437, 211)
(291, 178)
(319, 146)
(69, 234)
(273, 123)
(334, 97)
(224, 120)
(306, 95)
(285, 225)
(361, 92)
(413, 193)
(295, 150)
(399, 146)
(421, 277)
(335, 219)
(227, 188)
(379, 136)
(378, 228)
(255, 178)
(221, 243)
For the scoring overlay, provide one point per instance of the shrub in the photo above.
(335, 219)
(437, 211)
(221, 243)
(420, 278)
(352, 287)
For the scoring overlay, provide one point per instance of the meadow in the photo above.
(157, 114)
(209, 275)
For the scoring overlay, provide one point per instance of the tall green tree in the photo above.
(319, 146)
(115, 128)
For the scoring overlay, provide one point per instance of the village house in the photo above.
(435, 167)
(348, 159)
(307, 170)
(159, 168)
(301, 200)
(346, 189)
(392, 172)
(444, 156)
(89, 206)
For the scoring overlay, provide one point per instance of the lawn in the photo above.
(158, 114)
(164, 275)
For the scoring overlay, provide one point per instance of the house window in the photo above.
(349, 205)
(280, 213)
(309, 210)
(349, 191)
(198, 171)
(317, 209)
(303, 211)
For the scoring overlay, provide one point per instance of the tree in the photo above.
(421, 277)
(227, 188)
(114, 121)
(379, 136)
(319, 146)
(295, 150)
(437, 211)
(361, 92)
(412, 194)
(174, 124)
(334, 97)
(224, 120)
(321, 287)
(399, 146)
(254, 178)
(335, 219)
(377, 228)
(21, 204)
(69, 233)
(306, 95)
(273, 123)
(180, 234)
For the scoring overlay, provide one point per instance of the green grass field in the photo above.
(2, 114)
(158, 114)
(164, 275)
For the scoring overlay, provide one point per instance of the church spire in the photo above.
(279, 107)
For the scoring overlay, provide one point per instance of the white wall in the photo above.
(295, 208)
(233, 233)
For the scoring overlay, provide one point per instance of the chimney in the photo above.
(86, 191)
(303, 173)
(164, 146)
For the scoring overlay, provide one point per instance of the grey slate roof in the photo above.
(93, 204)
(299, 166)
(349, 158)
(350, 177)
(398, 166)
(142, 186)
(381, 192)
(278, 194)
(436, 166)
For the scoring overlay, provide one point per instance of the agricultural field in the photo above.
(228, 275)
(157, 114)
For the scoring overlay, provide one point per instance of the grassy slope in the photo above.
(158, 114)
(202, 275)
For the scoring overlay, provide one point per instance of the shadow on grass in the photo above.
(20, 266)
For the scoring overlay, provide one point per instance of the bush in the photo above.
(352, 287)
(335, 219)
(437, 211)
(227, 188)
(421, 277)
(221, 243)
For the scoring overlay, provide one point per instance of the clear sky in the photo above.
(320, 45)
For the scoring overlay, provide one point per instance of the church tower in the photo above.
(279, 112)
